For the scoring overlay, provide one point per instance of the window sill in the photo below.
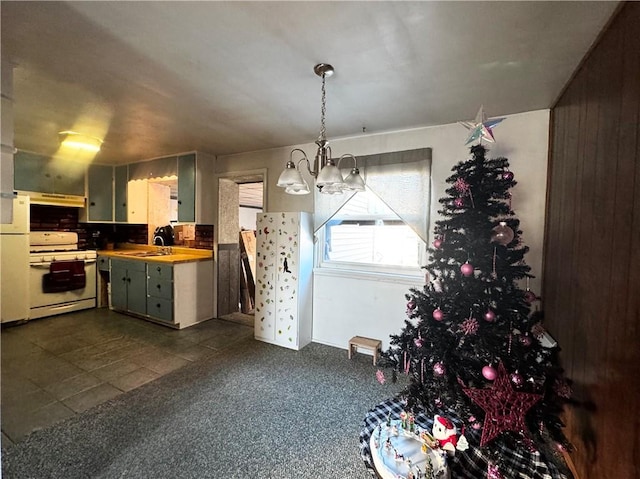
(410, 280)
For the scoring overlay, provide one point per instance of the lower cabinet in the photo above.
(129, 286)
(160, 292)
(177, 295)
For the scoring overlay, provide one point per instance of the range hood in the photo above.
(53, 199)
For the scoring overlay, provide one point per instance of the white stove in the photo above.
(53, 241)
(62, 278)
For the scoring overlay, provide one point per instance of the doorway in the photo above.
(241, 197)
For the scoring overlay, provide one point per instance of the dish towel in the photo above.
(64, 276)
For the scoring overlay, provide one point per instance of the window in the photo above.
(365, 234)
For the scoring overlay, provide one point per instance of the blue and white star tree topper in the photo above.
(481, 128)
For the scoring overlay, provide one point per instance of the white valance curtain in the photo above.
(401, 179)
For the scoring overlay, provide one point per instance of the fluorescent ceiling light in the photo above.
(79, 141)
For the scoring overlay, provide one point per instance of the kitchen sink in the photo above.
(146, 254)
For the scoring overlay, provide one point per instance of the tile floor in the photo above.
(53, 368)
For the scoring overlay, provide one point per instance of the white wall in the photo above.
(248, 217)
(344, 306)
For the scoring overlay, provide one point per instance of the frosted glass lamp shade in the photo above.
(298, 190)
(329, 175)
(290, 176)
(335, 189)
(354, 181)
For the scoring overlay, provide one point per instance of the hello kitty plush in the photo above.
(447, 435)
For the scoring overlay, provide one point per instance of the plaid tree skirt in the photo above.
(469, 464)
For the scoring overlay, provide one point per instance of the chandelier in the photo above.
(327, 174)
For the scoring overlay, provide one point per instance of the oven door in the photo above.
(59, 299)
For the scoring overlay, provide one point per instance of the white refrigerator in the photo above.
(14, 263)
(284, 274)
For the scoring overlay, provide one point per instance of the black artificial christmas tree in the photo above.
(472, 344)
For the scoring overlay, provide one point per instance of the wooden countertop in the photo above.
(145, 253)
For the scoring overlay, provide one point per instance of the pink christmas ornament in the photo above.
(469, 326)
(507, 175)
(466, 269)
(489, 316)
(516, 379)
(489, 373)
(418, 342)
(439, 369)
(458, 202)
(438, 315)
(461, 185)
(437, 243)
(530, 296)
(502, 234)
(411, 305)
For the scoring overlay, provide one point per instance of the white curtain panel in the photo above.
(401, 179)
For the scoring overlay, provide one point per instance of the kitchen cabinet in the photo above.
(187, 188)
(129, 286)
(181, 294)
(137, 201)
(148, 203)
(120, 180)
(106, 194)
(103, 263)
(99, 194)
(157, 168)
(284, 268)
(193, 186)
(193, 179)
(160, 292)
(43, 174)
(174, 294)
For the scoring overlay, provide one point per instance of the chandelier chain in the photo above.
(323, 111)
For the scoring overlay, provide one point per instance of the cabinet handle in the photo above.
(128, 280)
(124, 278)
(158, 305)
(179, 202)
(158, 286)
(158, 270)
(93, 203)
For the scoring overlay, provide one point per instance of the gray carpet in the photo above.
(258, 411)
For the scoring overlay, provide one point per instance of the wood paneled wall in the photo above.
(592, 250)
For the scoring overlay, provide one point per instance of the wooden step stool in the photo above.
(373, 345)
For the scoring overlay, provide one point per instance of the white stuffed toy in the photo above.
(447, 435)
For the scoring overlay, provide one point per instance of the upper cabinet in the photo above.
(106, 194)
(190, 178)
(116, 194)
(43, 174)
(100, 193)
(121, 178)
(198, 170)
(187, 188)
(157, 168)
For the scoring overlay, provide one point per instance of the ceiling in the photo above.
(158, 78)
